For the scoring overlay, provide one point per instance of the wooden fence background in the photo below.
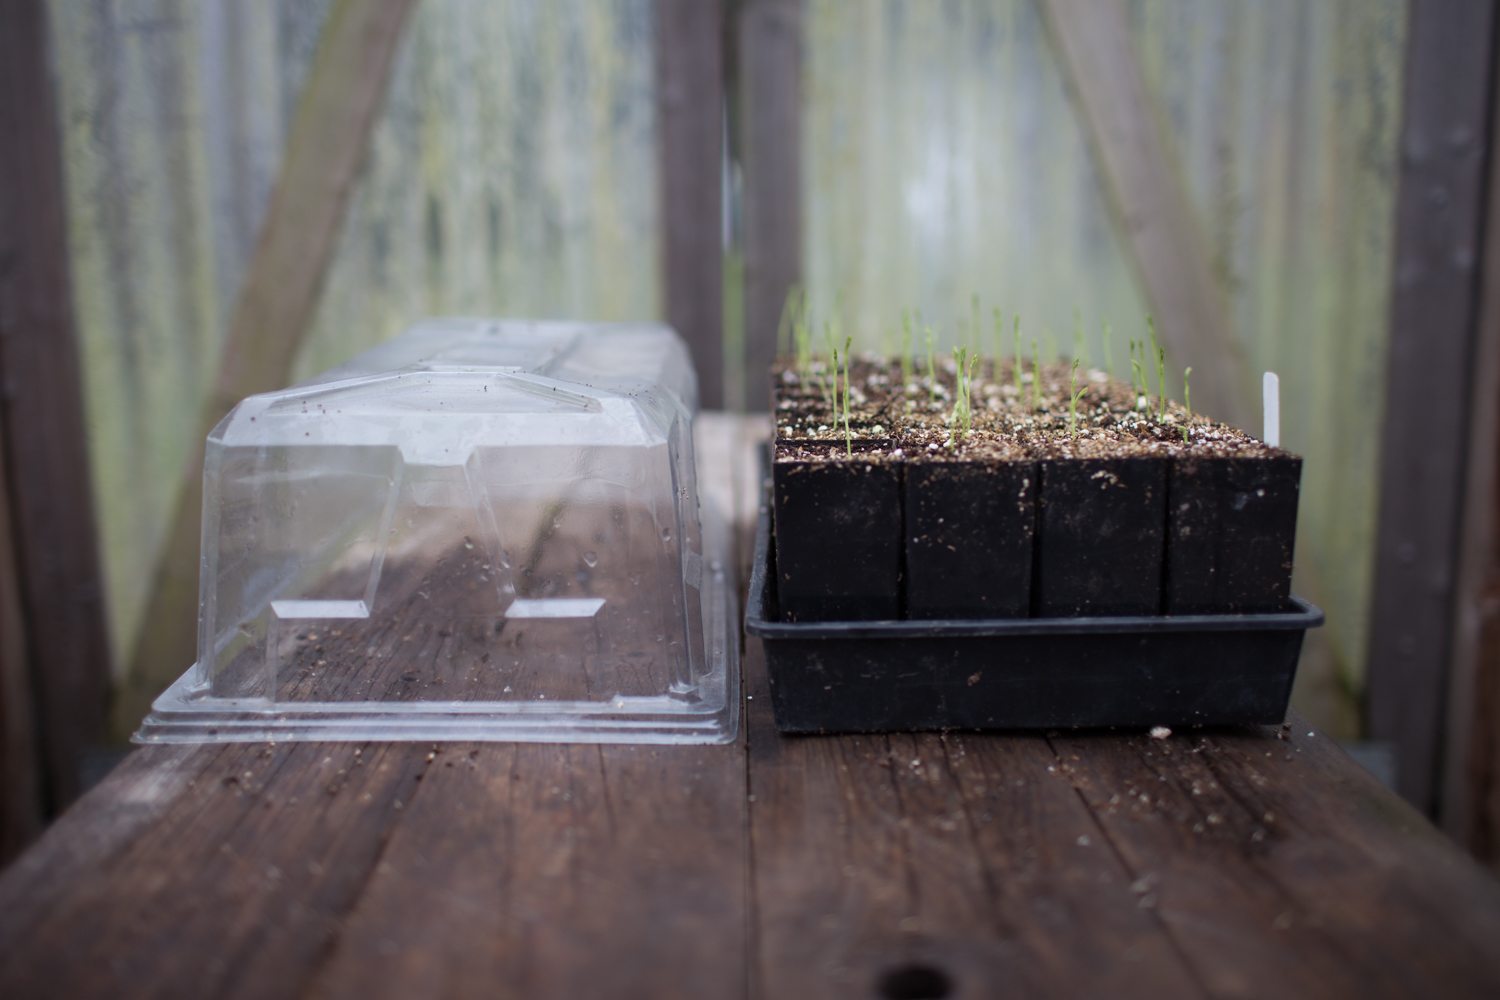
(530, 157)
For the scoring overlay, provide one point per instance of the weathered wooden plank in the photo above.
(1151, 207)
(769, 54)
(214, 871)
(557, 871)
(690, 93)
(998, 862)
(952, 863)
(47, 471)
(1267, 856)
(20, 770)
(324, 151)
(1446, 129)
(1469, 808)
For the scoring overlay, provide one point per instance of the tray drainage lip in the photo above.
(1302, 616)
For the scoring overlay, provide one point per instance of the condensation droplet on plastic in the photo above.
(666, 534)
(468, 543)
(590, 559)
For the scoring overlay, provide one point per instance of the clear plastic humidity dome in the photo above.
(480, 530)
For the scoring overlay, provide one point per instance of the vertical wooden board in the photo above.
(1445, 134)
(20, 765)
(1150, 205)
(1470, 805)
(513, 171)
(963, 861)
(1266, 856)
(769, 50)
(145, 291)
(40, 396)
(324, 151)
(690, 94)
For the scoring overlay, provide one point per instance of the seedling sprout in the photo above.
(1075, 394)
(1187, 402)
(962, 414)
(830, 381)
(1016, 357)
(1138, 374)
(848, 435)
(932, 379)
(1159, 355)
(1036, 376)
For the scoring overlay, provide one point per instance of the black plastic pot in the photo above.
(1132, 672)
(1100, 536)
(838, 530)
(969, 531)
(1231, 528)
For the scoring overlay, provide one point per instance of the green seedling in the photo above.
(848, 435)
(1074, 395)
(962, 414)
(1078, 351)
(830, 380)
(785, 321)
(1159, 355)
(1036, 376)
(801, 331)
(1015, 369)
(1187, 402)
(1137, 372)
(932, 379)
(905, 347)
(1161, 382)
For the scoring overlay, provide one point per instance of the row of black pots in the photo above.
(861, 539)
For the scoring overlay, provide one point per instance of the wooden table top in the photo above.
(1259, 862)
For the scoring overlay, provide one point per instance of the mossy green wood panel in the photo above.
(512, 171)
(942, 158)
(149, 297)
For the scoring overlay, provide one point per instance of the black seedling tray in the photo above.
(1023, 673)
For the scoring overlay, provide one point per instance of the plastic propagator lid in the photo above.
(480, 530)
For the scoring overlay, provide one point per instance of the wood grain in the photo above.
(1469, 807)
(1255, 862)
(769, 52)
(1274, 863)
(1450, 58)
(690, 92)
(42, 416)
(969, 859)
(324, 151)
(1153, 214)
(20, 771)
